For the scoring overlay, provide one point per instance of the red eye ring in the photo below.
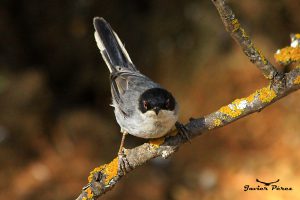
(145, 103)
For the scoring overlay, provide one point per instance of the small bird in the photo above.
(142, 107)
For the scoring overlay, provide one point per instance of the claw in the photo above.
(183, 131)
(277, 78)
(124, 165)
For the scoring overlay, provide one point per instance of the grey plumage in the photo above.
(127, 86)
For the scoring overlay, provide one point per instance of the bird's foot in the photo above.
(183, 131)
(278, 79)
(124, 165)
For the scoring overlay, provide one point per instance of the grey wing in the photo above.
(126, 88)
(126, 81)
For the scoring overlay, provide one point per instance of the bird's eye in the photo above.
(167, 104)
(146, 105)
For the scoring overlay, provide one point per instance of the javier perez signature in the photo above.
(266, 186)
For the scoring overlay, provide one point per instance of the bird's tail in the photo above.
(111, 47)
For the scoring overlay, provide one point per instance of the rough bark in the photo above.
(103, 178)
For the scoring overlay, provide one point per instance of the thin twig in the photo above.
(103, 178)
(233, 26)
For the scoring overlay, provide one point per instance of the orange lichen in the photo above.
(157, 142)
(236, 25)
(288, 54)
(89, 193)
(297, 80)
(266, 94)
(110, 171)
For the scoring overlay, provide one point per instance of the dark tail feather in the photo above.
(111, 48)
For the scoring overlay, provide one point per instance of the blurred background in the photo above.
(56, 124)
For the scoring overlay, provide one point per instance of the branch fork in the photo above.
(105, 177)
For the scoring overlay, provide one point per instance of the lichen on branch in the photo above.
(104, 177)
(289, 54)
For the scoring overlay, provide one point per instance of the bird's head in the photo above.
(156, 99)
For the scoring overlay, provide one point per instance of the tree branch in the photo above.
(103, 178)
(233, 26)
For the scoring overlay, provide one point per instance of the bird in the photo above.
(142, 107)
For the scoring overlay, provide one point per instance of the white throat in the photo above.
(155, 126)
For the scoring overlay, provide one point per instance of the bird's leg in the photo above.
(124, 133)
(183, 131)
(123, 162)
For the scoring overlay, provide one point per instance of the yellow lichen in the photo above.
(157, 142)
(231, 110)
(235, 108)
(250, 98)
(297, 36)
(244, 34)
(96, 170)
(217, 122)
(110, 171)
(266, 94)
(263, 58)
(297, 80)
(89, 193)
(238, 101)
(236, 25)
(288, 54)
(84, 198)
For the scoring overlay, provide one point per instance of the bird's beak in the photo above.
(156, 110)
